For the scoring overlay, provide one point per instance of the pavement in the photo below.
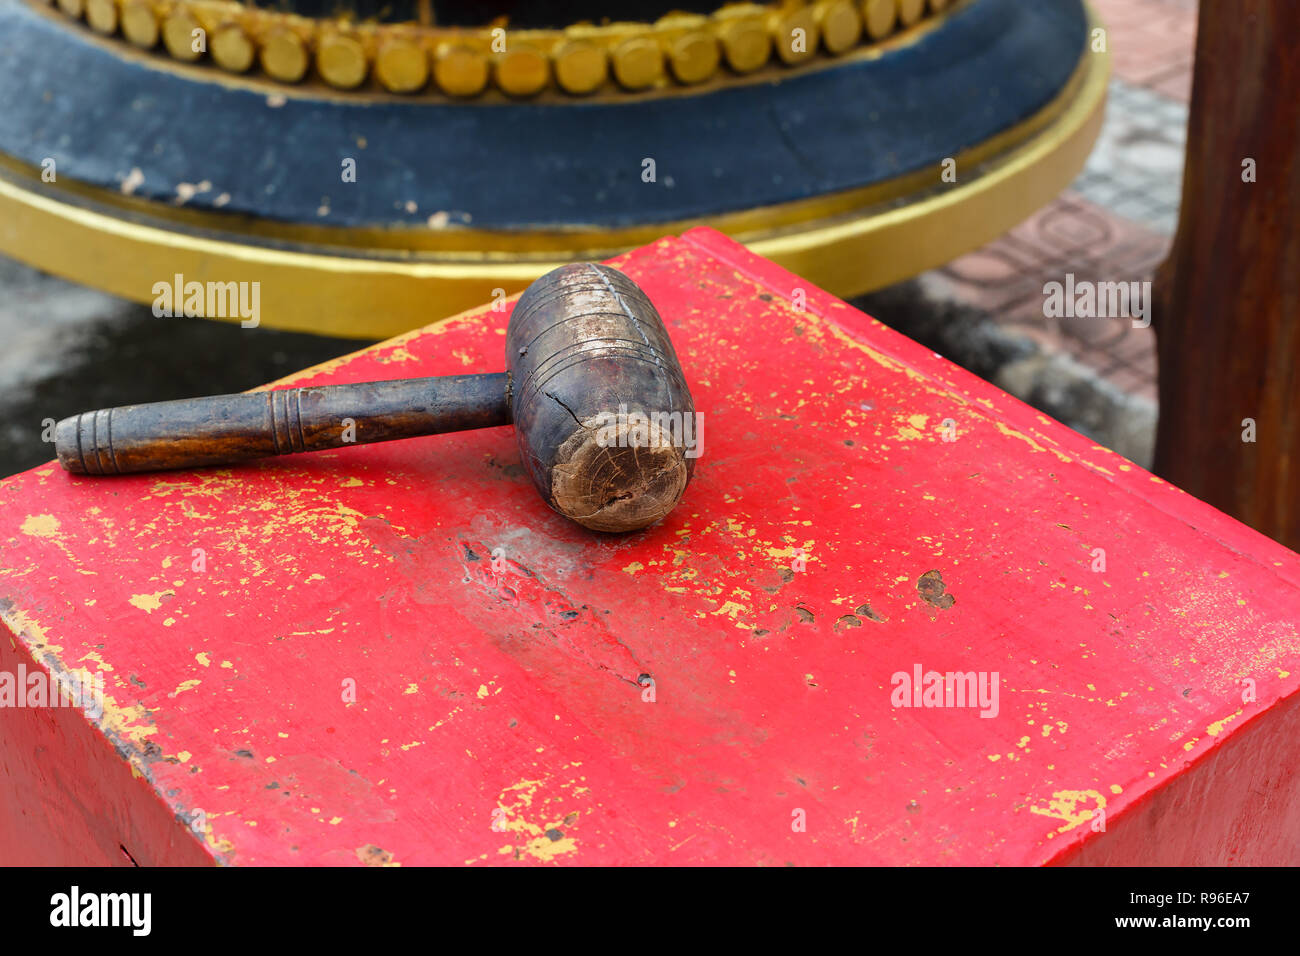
(1115, 223)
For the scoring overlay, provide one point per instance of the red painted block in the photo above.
(319, 659)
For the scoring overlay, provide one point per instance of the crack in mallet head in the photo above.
(598, 399)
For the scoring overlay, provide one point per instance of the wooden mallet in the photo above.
(591, 385)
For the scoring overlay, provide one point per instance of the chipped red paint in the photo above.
(500, 712)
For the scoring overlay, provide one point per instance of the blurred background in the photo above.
(67, 348)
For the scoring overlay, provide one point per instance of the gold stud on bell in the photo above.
(179, 35)
(101, 15)
(341, 60)
(694, 57)
(910, 11)
(284, 56)
(638, 63)
(746, 43)
(879, 17)
(232, 49)
(402, 65)
(460, 70)
(840, 25)
(522, 70)
(580, 66)
(140, 23)
(794, 34)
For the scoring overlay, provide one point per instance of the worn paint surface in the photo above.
(831, 538)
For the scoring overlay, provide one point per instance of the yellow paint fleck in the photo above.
(546, 849)
(482, 691)
(399, 354)
(40, 526)
(1012, 433)
(1216, 728)
(186, 685)
(202, 658)
(1065, 805)
(150, 602)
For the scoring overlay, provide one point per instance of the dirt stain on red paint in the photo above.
(372, 855)
(866, 611)
(933, 591)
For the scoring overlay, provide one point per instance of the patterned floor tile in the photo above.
(1151, 42)
(1115, 222)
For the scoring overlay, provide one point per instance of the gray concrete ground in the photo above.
(66, 349)
(1050, 380)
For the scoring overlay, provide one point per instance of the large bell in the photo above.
(382, 167)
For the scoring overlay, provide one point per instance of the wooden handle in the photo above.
(224, 429)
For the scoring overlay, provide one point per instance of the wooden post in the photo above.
(1228, 297)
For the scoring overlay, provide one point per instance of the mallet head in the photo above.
(598, 399)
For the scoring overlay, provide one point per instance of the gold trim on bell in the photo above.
(678, 50)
